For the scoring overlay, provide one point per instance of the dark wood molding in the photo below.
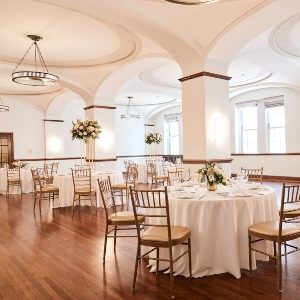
(99, 106)
(204, 73)
(150, 125)
(105, 159)
(49, 120)
(10, 137)
(264, 154)
(205, 161)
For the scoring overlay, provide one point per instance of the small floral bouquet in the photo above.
(18, 164)
(84, 130)
(213, 173)
(153, 138)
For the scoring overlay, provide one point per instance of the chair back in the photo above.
(78, 167)
(54, 168)
(290, 197)
(151, 169)
(47, 169)
(154, 206)
(37, 178)
(253, 174)
(107, 196)
(13, 174)
(82, 179)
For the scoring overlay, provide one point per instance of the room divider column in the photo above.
(104, 148)
(206, 119)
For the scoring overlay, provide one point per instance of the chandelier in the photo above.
(3, 107)
(129, 112)
(192, 2)
(38, 77)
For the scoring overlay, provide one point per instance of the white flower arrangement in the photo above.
(18, 164)
(213, 173)
(84, 130)
(153, 138)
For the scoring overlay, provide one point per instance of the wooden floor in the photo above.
(59, 257)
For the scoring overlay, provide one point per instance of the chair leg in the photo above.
(136, 266)
(279, 269)
(190, 256)
(250, 255)
(171, 271)
(157, 261)
(40, 202)
(275, 253)
(105, 242)
(34, 202)
(115, 238)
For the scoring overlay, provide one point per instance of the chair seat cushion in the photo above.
(50, 188)
(272, 228)
(84, 190)
(124, 216)
(160, 234)
(121, 186)
(14, 180)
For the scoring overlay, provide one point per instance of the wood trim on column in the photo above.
(204, 73)
(49, 120)
(205, 161)
(150, 125)
(99, 106)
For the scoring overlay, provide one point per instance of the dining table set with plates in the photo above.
(26, 179)
(66, 191)
(219, 221)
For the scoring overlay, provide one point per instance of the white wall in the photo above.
(72, 112)
(129, 135)
(27, 125)
(276, 165)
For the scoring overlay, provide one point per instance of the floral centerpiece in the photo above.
(84, 130)
(18, 164)
(153, 138)
(214, 175)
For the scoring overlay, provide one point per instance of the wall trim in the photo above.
(204, 73)
(149, 125)
(277, 178)
(99, 106)
(66, 158)
(264, 154)
(205, 161)
(49, 120)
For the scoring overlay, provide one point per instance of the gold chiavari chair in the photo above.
(82, 186)
(42, 189)
(253, 174)
(13, 179)
(279, 232)
(159, 233)
(115, 219)
(155, 177)
(130, 177)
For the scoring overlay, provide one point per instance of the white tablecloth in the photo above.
(219, 230)
(66, 191)
(26, 178)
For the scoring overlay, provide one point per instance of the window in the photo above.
(260, 126)
(171, 134)
(248, 119)
(276, 129)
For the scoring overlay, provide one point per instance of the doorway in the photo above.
(6, 148)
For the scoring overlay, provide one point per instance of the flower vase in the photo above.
(152, 150)
(82, 153)
(211, 186)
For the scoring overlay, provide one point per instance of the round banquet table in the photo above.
(66, 191)
(26, 178)
(219, 223)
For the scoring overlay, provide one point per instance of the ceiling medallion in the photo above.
(3, 107)
(192, 2)
(38, 77)
(129, 112)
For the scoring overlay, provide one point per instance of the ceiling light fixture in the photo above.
(129, 114)
(3, 107)
(35, 77)
(192, 2)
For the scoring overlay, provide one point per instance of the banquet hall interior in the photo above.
(132, 124)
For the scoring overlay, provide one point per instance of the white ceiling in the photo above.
(99, 43)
